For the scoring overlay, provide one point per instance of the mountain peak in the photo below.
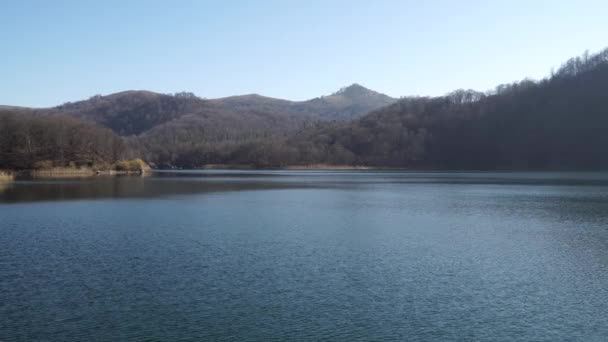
(353, 90)
(356, 90)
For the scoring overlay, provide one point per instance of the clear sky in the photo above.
(57, 51)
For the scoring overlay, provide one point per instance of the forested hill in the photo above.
(136, 112)
(560, 122)
(184, 130)
(129, 112)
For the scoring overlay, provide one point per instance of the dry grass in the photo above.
(6, 176)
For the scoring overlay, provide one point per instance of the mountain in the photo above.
(185, 130)
(136, 112)
(233, 129)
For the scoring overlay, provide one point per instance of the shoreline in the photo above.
(121, 168)
(8, 176)
(85, 172)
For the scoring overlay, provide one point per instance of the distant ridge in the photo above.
(135, 112)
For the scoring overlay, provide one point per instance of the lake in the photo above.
(306, 255)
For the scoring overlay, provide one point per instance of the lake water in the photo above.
(338, 256)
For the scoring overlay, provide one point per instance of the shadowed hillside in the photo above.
(557, 123)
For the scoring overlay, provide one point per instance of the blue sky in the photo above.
(58, 51)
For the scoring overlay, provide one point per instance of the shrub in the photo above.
(133, 165)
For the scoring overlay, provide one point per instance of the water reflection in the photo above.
(170, 183)
(122, 187)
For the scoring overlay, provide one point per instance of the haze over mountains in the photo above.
(556, 123)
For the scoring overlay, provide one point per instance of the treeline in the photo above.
(28, 141)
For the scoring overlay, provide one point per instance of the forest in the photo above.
(34, 142)
(559, 122)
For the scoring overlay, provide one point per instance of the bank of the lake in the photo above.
(123, 167)
(77, 172)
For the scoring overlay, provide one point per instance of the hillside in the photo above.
(557, 123)
(136, 112)
(188, 131)
(130, 112)
(29, 141)
(348, 103)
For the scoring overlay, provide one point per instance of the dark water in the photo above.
(261, 256)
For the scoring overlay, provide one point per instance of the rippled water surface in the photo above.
(239, 256)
